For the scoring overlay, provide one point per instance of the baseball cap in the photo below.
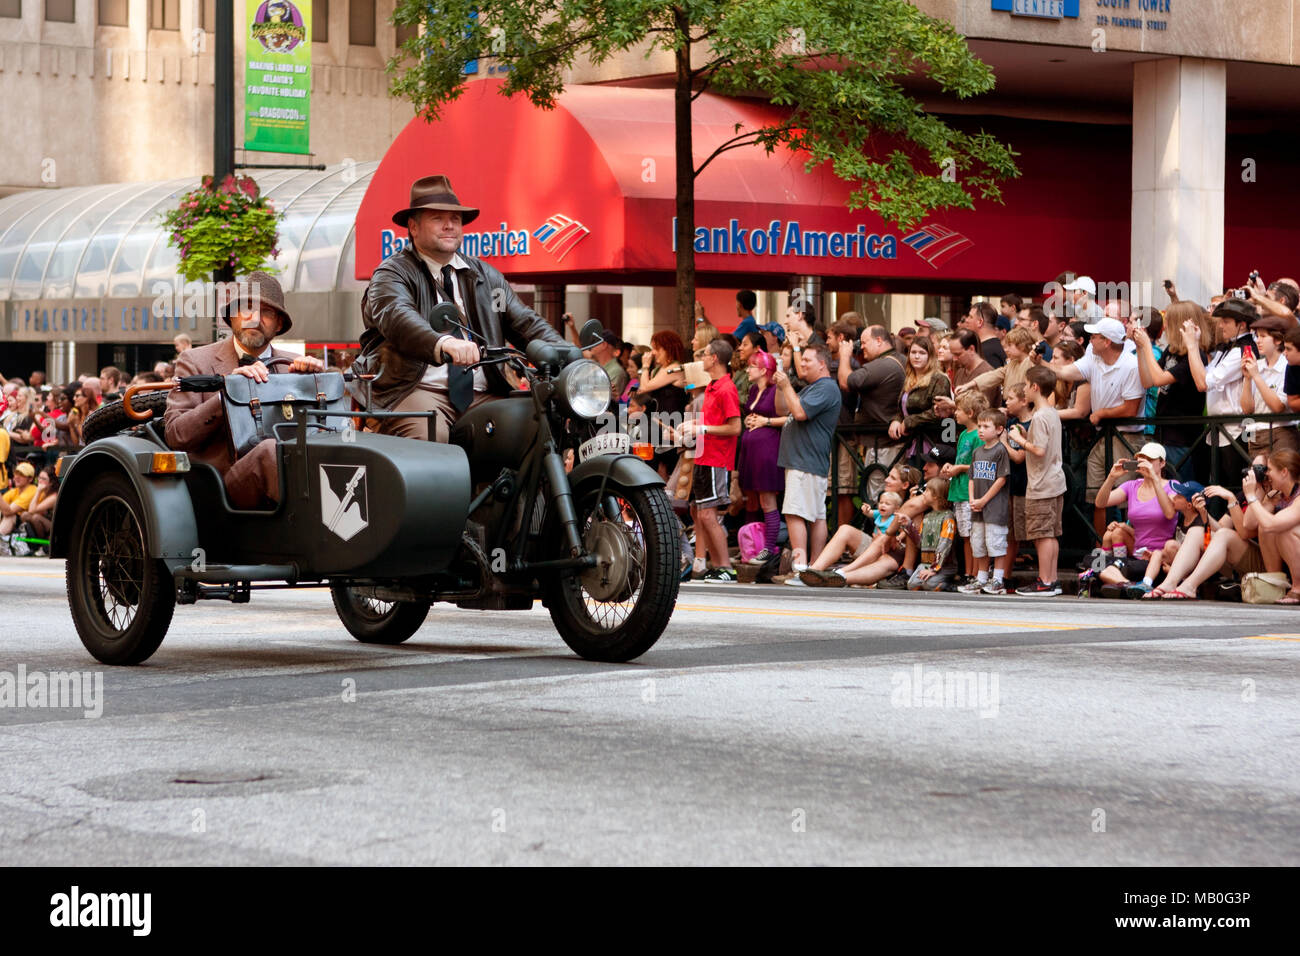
(1002, 323)
(1083, 284)
(1113, 329)
(25, 468)
(906, 330)
(1188, 489)
(775, 328)
(608, 337)
(942, 455)
(1152, 449)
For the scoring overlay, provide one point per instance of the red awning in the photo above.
(584, 193)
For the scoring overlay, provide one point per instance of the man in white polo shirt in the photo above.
(1114, 391)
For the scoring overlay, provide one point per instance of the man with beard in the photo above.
(194, 420)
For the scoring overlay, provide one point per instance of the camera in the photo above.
(1240, 294)
(1040, 348)
(1254, 276)
(1260, 472)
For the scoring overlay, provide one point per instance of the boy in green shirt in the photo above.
(969, 406)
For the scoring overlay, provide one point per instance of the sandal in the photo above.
(1292, 597)
(1176, 595)
(1155, 593)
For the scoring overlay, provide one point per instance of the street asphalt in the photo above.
(769, 725)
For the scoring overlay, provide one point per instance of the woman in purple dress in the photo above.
(760, 478)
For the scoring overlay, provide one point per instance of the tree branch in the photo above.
(705, 75)
(736, 142)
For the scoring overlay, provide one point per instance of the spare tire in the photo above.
(112, 418)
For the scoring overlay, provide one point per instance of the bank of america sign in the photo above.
(1047, 9)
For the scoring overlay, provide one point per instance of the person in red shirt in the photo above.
(715, 433)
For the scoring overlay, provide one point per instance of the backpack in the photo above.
(752, 539)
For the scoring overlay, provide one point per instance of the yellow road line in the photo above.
(31, 574)
(912, 618)
(1273, 637)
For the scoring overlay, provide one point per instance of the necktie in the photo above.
(460, 380)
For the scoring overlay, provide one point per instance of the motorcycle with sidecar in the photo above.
(494, 520)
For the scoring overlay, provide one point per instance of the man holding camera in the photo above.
(878, 386)
(1221, 378)
(1114, 391)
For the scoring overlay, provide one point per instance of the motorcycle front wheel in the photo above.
(616, 611)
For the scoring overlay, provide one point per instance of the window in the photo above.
(164, 14)
(60, 11)
(361, 22)
(320, 21)
(11, 8)
(113, 13)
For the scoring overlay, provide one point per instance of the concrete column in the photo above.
(577, 302)
(60, 362)
(1179, 125)
(905, 310)
(812, 290)
(639, 313)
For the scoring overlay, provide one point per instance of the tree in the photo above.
(837, 66)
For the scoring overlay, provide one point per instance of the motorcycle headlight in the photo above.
(585, 386)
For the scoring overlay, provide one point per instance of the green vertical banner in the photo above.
(277, 76)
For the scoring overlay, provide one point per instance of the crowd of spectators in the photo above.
(40, 422)
(949, 458)
(961, 455)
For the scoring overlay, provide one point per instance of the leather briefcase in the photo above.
(253, 409)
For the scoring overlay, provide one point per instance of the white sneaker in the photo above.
(971, 587)
(797, 568)
(794, 582)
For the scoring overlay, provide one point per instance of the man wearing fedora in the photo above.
(195, 421)
(417, 368)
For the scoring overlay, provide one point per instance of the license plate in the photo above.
(611, 443)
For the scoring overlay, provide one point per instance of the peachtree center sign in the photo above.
(277, 76)
(1047, 9)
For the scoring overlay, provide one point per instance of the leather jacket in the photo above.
(398, 344)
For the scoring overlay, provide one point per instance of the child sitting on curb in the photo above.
(938, 530)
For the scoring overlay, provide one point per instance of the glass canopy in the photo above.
(95, 241)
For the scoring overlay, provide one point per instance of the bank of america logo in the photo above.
(559, 234)
(937, 244)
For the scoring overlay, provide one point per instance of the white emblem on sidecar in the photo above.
(344, 505)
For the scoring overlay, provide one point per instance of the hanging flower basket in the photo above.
(215, 226)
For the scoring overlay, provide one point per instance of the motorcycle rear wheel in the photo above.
(617, 612)
(372, 621)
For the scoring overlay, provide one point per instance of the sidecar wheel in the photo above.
(121, 599)
(372, 621)
(616, 612)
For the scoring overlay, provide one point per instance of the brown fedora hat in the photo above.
(260, 290)
(434, 192)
